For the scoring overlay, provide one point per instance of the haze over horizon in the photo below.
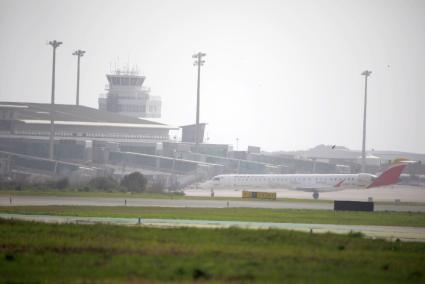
(283, 75)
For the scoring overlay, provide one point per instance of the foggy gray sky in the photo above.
(283, 75)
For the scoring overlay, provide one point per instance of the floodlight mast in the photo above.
(366, 74)
(198, 62)
(55, 44)
(79, 53)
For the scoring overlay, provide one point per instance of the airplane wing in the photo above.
(307, 189)
(323, 187)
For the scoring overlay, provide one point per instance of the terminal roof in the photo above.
(73, 113)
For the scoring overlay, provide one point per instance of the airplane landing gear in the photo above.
(315, 195)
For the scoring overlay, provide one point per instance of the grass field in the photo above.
(36, 252)
(231, 214)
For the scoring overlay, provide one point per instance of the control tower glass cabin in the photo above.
(127, 96)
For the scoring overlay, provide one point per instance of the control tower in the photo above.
(126, 95)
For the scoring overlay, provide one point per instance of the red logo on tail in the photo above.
(388, 177)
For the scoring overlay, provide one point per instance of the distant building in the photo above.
(127, 96)
(189, 133)
(254, 149)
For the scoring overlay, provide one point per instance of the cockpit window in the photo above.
(216, 179)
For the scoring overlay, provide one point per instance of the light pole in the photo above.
(79, 53)
(366, 74)
(55, 44)
(198, 62)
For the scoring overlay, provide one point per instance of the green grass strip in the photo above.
(33, 252)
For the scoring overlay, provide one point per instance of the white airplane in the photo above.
(306, 182)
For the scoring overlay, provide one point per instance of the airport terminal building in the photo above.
(76, 122)
(87, 137)
(80, 133)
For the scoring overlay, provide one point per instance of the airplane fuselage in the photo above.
(307, 182)
(304, 182)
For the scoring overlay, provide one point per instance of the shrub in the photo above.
(157, 186)
(135, 182)
(103, 183)
(175, 186)
(61, 183)
(83, 189)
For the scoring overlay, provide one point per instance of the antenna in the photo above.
(128, 62)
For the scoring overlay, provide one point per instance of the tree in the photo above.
(135, 182)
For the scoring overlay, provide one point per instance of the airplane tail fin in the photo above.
(389, 176)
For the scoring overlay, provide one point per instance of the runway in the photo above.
(199, 203)
(382, 194)
(381, 232)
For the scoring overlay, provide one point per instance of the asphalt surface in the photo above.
(382, 232)
(199, 203)
(403, 193)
